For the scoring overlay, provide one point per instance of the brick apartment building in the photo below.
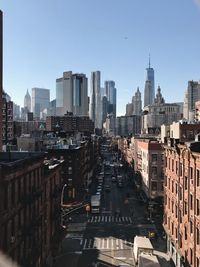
(150, 160)
(1, 74)
(182, 202)
(146, 157)
(7, 119)
(70, 123)
(80, 164)
(30, 190)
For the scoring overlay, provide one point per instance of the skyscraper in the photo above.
(137, 103)
(40, 100)
(1, 74)
(72, 94)
(192, 95)
(110, 92)
(149, 92)
(95, 111)
(27, 101)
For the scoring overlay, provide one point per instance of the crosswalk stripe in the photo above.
(85, 244)
(90, 242)
(103, 243)
(112, 244)
(108, 219)
(107, 245)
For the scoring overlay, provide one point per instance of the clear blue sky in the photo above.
(43, 38)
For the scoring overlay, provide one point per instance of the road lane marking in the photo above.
(105, 218)
(112, 246)
(102, 243)
(85, 243)
(81, 242)
(107, 245)
(90, 242)
(117, 244)
(120, 258)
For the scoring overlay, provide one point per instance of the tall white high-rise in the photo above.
(192, 95)
(40, 100)
(72, 94)
(27, 101)
(149, 91)
(95, 111)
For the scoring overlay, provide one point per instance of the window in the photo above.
(185, 207)
(172, 165)
(181, 169)
(198, 236)
(198, 208)
(191, 201)
(153, 186)
(198, 262)
(191, 256)
(69, 170)
(176, 186)
(154, 158)
(180, 193)
(198, 178)
(169, 163)
(176, 167)
(172, 228)
(191, 173)
(176, 211)
(186, 182)
(185, 232)
(172, 186)
(191, 227)
(154, 170)
(180, 216)
(172, 206)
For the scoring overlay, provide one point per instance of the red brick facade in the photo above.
(29, 207)
(1, 74)
(182, 203)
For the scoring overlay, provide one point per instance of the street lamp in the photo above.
(61, 204)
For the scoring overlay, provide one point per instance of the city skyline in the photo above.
(41, 54)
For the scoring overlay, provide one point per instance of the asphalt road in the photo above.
(105, 239)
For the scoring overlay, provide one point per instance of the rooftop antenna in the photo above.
(149, 61)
